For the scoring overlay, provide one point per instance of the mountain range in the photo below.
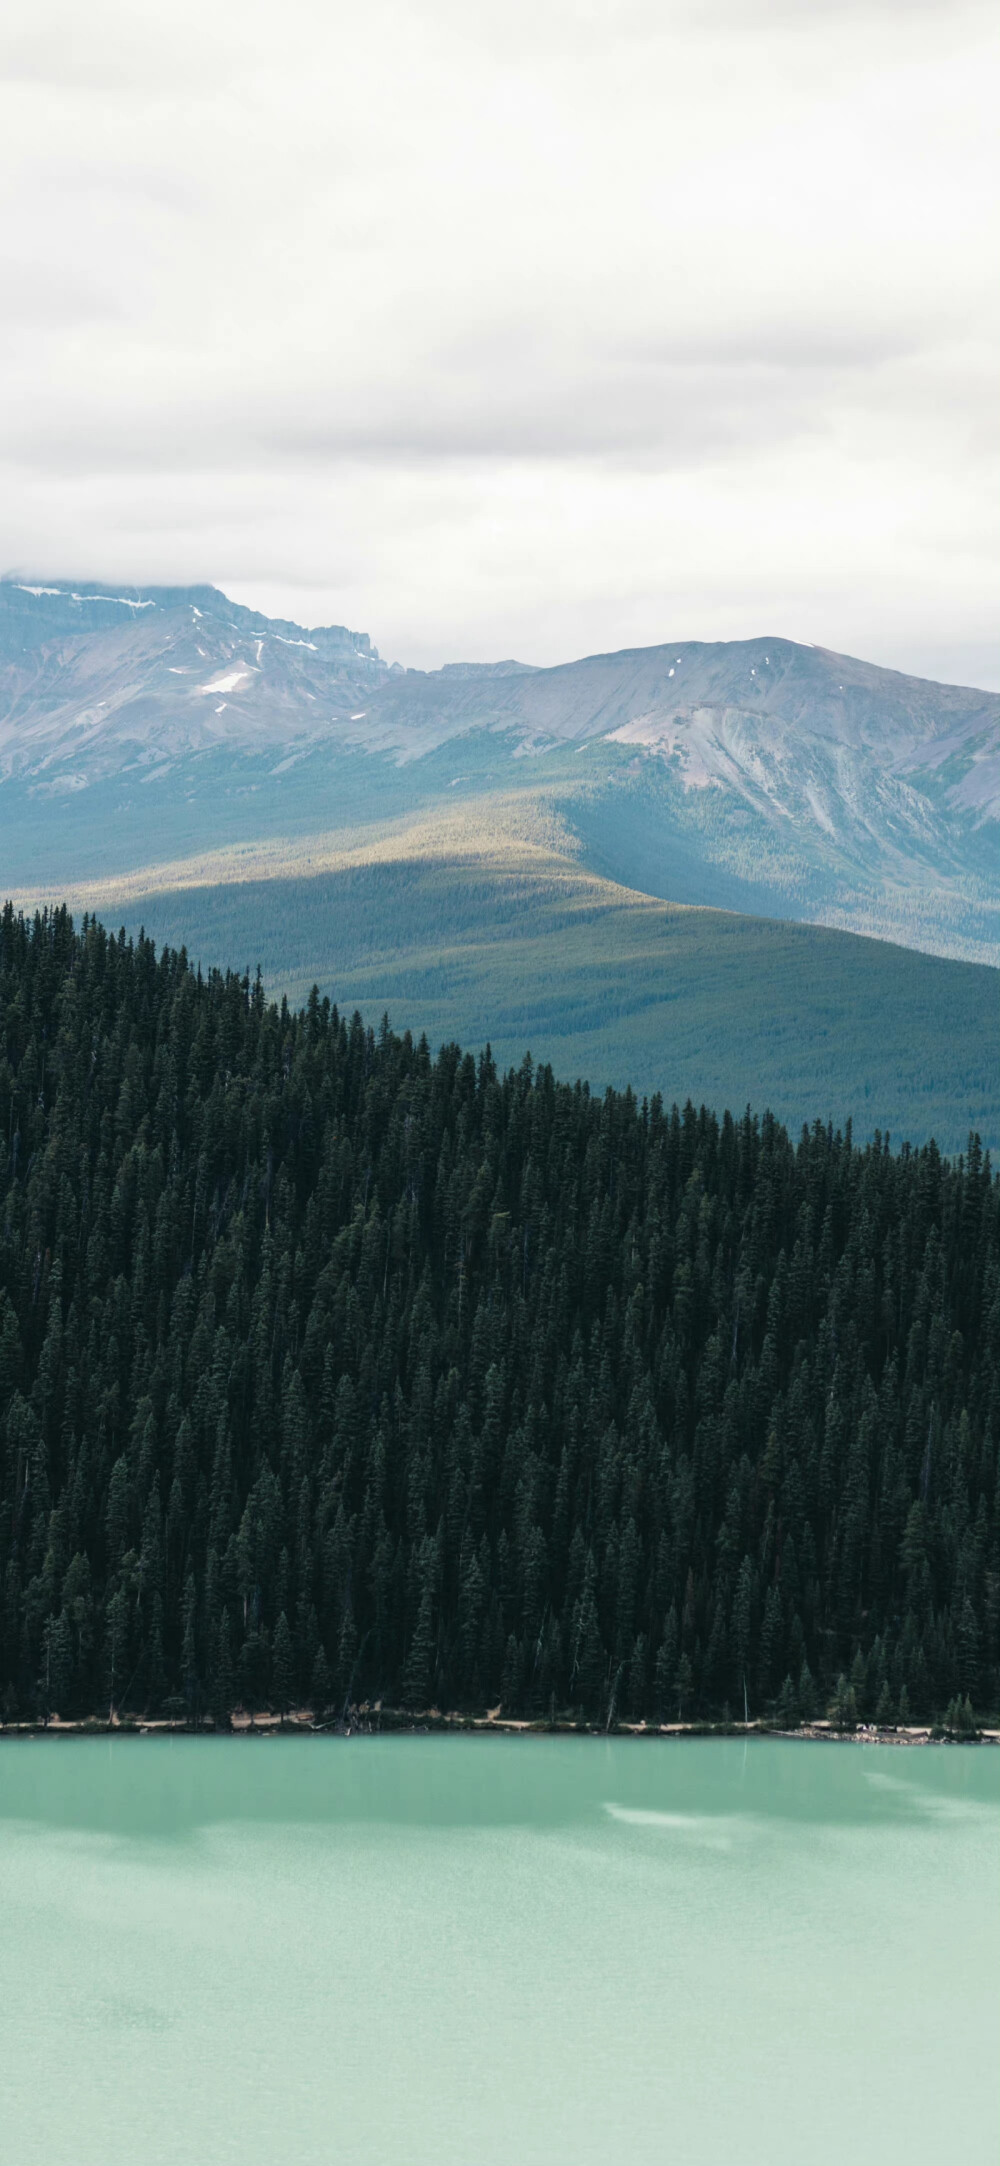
(501, 850)
(755, 773)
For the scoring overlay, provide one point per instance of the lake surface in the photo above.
(477, 1950)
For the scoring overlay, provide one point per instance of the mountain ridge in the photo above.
(850, 794)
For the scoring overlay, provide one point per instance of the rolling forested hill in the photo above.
(503, 936)
(330, 1369)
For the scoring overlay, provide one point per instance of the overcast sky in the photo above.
(531, 328)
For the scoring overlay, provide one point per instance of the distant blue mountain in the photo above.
(137, 724)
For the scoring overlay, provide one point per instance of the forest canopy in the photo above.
(331, 1371)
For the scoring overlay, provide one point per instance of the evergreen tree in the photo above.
(283, 1667)
(321, 1682)
(420, 1662)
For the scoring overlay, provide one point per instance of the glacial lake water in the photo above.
(470, 1951)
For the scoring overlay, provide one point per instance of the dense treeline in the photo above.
(330, 1371)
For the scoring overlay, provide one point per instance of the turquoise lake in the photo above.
(480, 1950)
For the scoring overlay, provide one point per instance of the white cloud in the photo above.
(510, 328)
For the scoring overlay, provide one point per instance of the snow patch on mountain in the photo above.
(121, 601)
(228, 683)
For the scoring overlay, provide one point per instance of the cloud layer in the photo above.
(511, 328)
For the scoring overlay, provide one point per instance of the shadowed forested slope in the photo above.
(330, 1369)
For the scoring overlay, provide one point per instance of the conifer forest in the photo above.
(332, 1372)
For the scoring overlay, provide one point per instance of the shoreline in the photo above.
(373, 1720)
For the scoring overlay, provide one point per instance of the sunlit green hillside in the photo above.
(501, 936)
